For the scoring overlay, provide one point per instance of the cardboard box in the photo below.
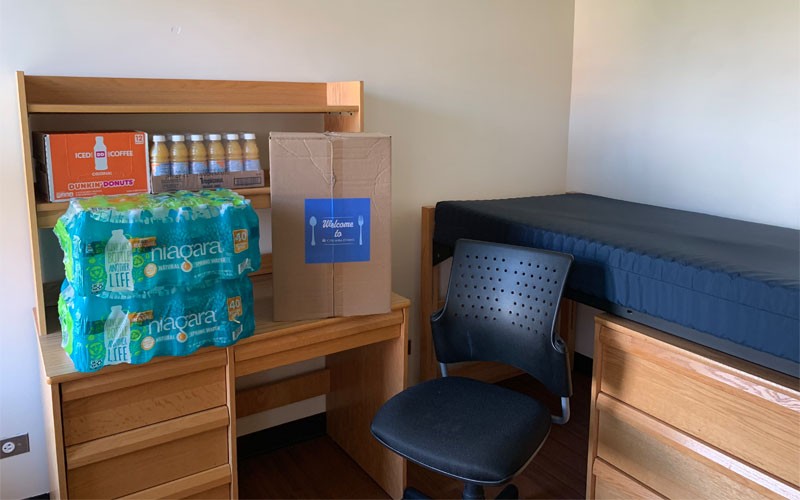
(82, 164)
(331, 224)
(196, 182)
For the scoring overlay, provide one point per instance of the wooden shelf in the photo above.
(47, 214)
(185, 108)
(59, 368)
(339, 105)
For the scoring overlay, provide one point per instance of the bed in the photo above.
(730, 285)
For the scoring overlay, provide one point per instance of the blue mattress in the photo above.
(728, 284)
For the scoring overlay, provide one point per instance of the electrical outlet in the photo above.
(14, 446)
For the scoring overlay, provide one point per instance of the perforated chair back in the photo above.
(501, 306)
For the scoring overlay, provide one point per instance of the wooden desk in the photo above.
(168, 428)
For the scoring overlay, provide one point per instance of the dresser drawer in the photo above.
(673, 463)
(744, 415)
(107, 404)
(613, 484)
(142, 458)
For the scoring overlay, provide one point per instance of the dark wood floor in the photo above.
(318, 468)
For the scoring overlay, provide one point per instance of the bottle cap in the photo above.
(197, 137)
(159, 138)
(232, 137)
(249, 136)
(176, 138)
(214, 137)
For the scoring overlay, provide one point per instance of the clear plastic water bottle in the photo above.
(117, 337)
(119, 263)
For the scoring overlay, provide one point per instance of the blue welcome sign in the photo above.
(337, 230)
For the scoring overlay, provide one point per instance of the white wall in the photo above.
(475, 94)
(689, 104)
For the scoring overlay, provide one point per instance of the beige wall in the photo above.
(689, 104)
(474, 93)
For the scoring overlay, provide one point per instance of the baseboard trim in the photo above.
(583, 364)
(281, 436)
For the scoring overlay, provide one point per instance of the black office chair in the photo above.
(501, 306)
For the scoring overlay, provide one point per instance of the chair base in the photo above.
(414, 494)
(510, 492)
(471, 492)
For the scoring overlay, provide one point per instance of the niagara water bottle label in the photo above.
(119, 263)
(117, 337)
(337, 230)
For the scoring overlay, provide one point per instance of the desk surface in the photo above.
(59, 368)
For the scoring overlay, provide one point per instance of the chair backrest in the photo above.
(501, 306)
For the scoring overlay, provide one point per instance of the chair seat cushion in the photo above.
(464, 428)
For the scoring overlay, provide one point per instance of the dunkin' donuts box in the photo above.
(83, 164)
(331, 224)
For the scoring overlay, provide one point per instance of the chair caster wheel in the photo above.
(414, 494)
(510, 492)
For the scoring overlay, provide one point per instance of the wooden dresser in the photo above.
(672, 419)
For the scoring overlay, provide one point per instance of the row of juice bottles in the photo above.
(197, 158)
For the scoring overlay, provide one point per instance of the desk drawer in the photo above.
(142, 458)
(119, 401)
(674, 464)
(743, 415)
(613, 484)
(217, 493)
(213, 483)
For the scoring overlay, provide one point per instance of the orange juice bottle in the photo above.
(159, 156)
(233, 153)
(216, 154)
(252, 162)
(179, 156)
(198, 157)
